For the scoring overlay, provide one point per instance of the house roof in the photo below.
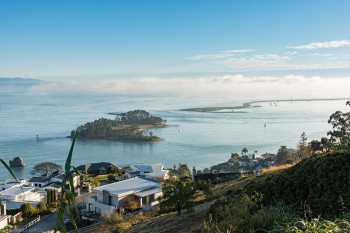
(56, 185)
(144, 168)
(133, 185)
(148, 192)
(94, 166)
(14, 191)
(39, 179)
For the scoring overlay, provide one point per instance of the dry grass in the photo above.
(276, 168)
(187, 221)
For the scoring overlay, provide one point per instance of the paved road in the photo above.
(48, 222)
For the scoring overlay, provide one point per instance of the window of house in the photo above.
(40, 185)
(36, 185)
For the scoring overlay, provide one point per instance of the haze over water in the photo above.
(201, 139)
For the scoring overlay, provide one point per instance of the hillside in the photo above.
(319, 180)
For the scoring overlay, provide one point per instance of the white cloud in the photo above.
(233, 86)
(239, 51)
(209, 56)
(264, 61)
(322, 45)
(220, 55)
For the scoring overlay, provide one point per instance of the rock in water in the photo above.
(17, 162)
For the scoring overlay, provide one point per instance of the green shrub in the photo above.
(41, 207)
(29, 210)
(53, 205)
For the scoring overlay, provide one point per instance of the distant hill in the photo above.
(19, 80)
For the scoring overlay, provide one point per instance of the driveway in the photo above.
(48, 222)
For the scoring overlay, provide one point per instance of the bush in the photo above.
(29, 210)
(112, 217)
(41, 207)
(246, 214)
(111, 177)
(53, 205)
(315, 226)
(132, 205)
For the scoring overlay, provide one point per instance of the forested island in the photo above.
(127, 126)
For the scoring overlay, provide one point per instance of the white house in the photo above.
(21, 194)
(38, 182)
(4, 218)
(9, 183)
(155, 171)
(52, 181)
(116, 195)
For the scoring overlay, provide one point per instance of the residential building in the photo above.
(94, 168)
(110, 197)
(154, 171)
(4, 218)
(9, 183)
(52, 181)
(20, 194)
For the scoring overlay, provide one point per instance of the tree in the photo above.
(303, 150)
(115, 170)
(184, 171)
(29, 210)
(234, 156)
(42, 207)
(285, 155)
(45, 167)
(303, 139)
(325, 145)
(49, 196)
(340, 135)
(205, 187)
(244, 151)
(178, 194)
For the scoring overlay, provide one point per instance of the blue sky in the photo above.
(60, 40)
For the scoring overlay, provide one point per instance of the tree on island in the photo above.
(126, 126)
(45, 167)
(138, 117)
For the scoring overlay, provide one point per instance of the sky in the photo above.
(180, 40)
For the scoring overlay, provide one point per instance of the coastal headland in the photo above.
(232, 109)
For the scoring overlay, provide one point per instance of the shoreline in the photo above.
(249, 105)
(118, 139)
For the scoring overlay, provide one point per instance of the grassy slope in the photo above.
(192, 222)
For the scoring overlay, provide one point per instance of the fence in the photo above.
(25, 227)
(87, 228)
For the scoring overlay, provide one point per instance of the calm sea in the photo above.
(201, 139)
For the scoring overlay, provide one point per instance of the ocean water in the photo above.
(201, 139)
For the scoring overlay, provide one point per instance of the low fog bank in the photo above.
(233, 86)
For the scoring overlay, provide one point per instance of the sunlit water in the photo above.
(201, 139)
